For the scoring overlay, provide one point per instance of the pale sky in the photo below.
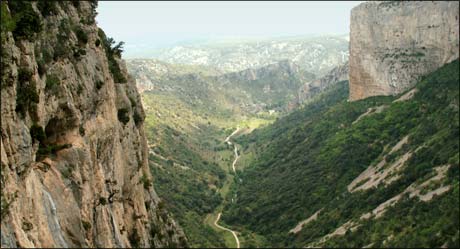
(161, 24)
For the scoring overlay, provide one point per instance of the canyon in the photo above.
(315, 141)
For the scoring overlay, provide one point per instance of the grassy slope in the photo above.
(305, 161)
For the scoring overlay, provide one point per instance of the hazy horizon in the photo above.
(154, 25)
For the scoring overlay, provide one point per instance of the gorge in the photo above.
(308, 141)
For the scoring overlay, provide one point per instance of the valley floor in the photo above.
(195, 161)
(235, 244)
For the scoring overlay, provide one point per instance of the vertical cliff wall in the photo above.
(393, 43)
(73, 151)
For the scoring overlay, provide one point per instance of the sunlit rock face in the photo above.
(74, 167)
(393, 43)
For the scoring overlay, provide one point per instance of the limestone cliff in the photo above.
(312, 88)
(393, 43)
(74, 157)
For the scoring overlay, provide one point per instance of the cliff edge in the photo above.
(74, 157)
(393, 43)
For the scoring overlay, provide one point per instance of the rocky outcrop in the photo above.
(393, 43)
(74, 157)
(312, 88)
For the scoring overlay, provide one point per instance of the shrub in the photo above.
(5, 205)
(63, 49)
(134, 239)
(145, 181)
(123, 115)
(118, 77)
(26, 97)
(37, 133)
(86, 225)
(60, 52)
(111, 52)
(76, 3)
(79, 89)
(27, 20)
(46, 55)
(41, 67)
(81, 130)
(51, 149)
(137, 118)
(47, 7)
(102, 201)
(81, 35)
(24, 75)
(118, 49)
(52, 83)
(7, 24)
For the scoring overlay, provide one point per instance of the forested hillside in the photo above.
(381, 172)
(188, 117)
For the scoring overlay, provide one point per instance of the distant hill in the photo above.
(252, 90)
(316, 54)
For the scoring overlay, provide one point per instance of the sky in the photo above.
(158, 24)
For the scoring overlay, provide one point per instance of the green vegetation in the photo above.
(63, 38)
(47, 7)
(81, 130)
(186, 126)
(138, 119)
(27, 21)
(123, 115)
(146, 181)
(8, 24)
(273, 86)
(5, 201)
(50, 149)
(41, 66)
(81, 35)
(304, 162)
(112, 51)
(86, 225)
(37, 133)
(134, 238)
(52, 83)
(27, 96)
(102, 201)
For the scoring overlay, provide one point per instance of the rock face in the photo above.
(73, 152)
(393, 43)
(312, 88)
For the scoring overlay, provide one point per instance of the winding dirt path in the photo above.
(227, 140)
(226, 229)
